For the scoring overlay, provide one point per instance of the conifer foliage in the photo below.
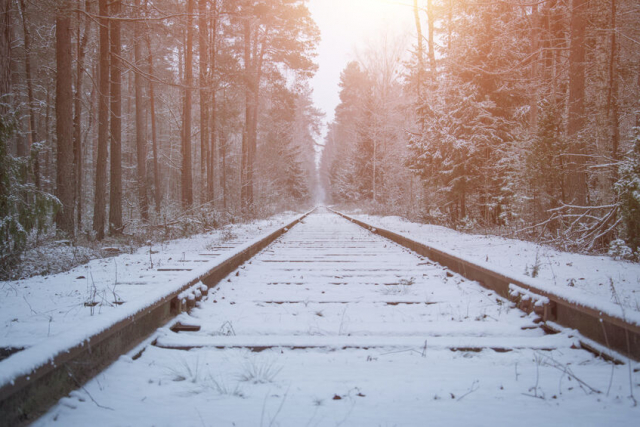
(107, 105)
(517, 117)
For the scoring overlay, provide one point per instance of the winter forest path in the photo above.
(334, 325)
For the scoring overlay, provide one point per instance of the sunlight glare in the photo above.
(348, 25)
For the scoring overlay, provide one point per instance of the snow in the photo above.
(526, 295)
(47, 315)
(350, 329)
(582, 279)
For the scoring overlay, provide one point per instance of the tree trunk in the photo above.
(253, 142)
(576, 176)
(450, 27)
(213, 131)
(141, 140)
(222, 143)
(64, 125)
(638, 86)
(154, 138)
(99, 209)
(5, 55)
(187, 179)
(612, 96)
(213, 157)
(5, 81)
(416, 16)
(248, 115)
(535, 83)
(48, 153)
(81, 43)
(432, 51)
(256, 77)
(115, 196)
(33, 137)
(203, 39)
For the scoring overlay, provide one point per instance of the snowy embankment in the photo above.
(599, 282)
(47, 315)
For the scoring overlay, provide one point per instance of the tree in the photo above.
(628, 188)
(576, 177)
(286, 156)
(187, 178)
(99, 209)
(5, 57)
(278, 32)
(612, 95)
(115, 194)
(340, 157)
(141, 140)
(212, 80)
(33, 138)
(203, 42)
(420, 52)
(82, 39)
(64, 125)
(154, 132)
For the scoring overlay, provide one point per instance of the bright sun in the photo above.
(372, 6)
(362, 18)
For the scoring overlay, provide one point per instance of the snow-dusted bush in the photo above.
(619, 250)
(628, 188)
(25, 210)
(467, 224)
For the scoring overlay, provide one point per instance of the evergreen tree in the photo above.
(628, 188)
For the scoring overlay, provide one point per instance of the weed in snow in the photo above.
(624, 317)
(219, 386)
(342, 329)
(185, 370)
(400, 288)
(191, 371)
(259, 370)
(534, 270)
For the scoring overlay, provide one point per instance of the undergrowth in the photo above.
(47, 253)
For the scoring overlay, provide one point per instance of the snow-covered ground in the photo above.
(581, 277)
(48, 314)
(334, 326)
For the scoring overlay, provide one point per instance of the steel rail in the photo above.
(612, 332)
(30, 395)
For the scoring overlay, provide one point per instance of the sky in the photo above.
(348, 25)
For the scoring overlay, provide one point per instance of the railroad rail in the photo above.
(319, 286)
(27, 396)
(609, 331)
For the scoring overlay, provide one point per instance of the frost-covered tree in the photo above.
(365, 145)
(286, 153)
(628, 188)
(342, 163)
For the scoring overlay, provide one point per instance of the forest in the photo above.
(122, 117)
(140, 118)
(512, 117)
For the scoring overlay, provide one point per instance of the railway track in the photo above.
(334, 325)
